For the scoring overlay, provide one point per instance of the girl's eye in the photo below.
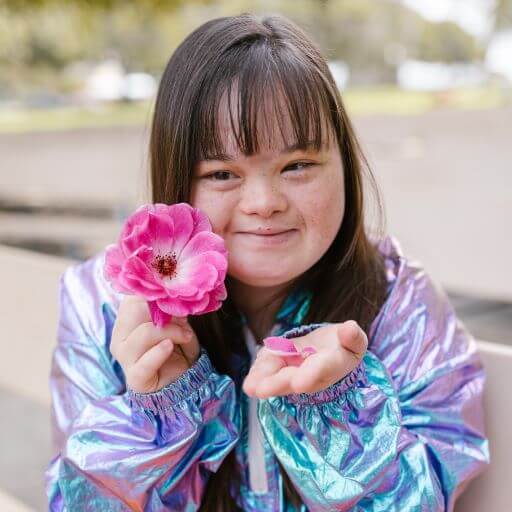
(300, 166)
(227, 175)
(218, 176)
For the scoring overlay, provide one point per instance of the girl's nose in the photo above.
(262, 197)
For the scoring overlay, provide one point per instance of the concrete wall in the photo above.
(28, 311)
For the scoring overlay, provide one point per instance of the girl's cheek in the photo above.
(220, 212)
(326, 196)
(201, 198)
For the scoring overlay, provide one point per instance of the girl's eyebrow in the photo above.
(224, 157)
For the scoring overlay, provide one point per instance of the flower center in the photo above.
(165, 264)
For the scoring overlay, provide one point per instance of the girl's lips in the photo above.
(270, 239)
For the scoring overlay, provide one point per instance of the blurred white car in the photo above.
(340, 72)
(437, 76)
(498, 58)
(108, 81)
(139, 86)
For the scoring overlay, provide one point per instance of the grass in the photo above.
(361, 101)
(69, 118)
(393, 101)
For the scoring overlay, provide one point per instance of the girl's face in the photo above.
(278, 210)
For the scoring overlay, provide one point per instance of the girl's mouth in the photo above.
(273, 239)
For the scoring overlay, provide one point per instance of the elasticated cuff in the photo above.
(176, 391)
(334, 391)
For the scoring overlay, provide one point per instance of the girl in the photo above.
(249, 127)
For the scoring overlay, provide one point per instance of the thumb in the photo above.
(182, 321)
(353, 338)
(192, 349)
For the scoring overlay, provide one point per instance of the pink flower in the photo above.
(169, 255)
(286, 349)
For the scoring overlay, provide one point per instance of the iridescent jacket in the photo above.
(403, 431)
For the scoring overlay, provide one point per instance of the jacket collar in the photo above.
(294, 309)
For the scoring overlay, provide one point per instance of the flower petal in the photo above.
(161, 230)
(181, 306)
(199, 273)
(213, 258)
(215, 299)
(135, 287)
(145, 254)
(202, 242)
(220, 293)
(139, 270)
(120, 286)
(188, 285)
(181, 214)
(280, 344)
(199, 305)
(141, 280)
(179, 287)
(160, 318)
(201, 222)
(176, 307)
(139, 237)
(135, 219)
(114, 259)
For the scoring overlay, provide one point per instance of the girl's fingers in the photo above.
(265, 365)
(353, 338)
(277, 384)
(146, 368)
(320, 370)
(341, 356)
(133, 311)
(147, 335)
(180, 320)
(321, 338)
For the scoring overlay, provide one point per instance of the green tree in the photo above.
(447, 42)
(40, 38)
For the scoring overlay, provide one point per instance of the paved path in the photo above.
(26, 451)
(447, 183)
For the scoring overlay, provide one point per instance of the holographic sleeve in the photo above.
(116, 450)
(403, 431)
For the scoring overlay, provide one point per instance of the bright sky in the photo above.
(473, 15)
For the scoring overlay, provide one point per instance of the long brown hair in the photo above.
(263, 55)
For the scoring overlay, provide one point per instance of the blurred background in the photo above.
(428, 84)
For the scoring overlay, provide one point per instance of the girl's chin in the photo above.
(262, 279)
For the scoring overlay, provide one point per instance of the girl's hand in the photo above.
(148, 354)
(340, 348)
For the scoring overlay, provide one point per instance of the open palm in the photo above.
(340, 347)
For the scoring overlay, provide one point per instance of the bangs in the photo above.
(261, 97)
